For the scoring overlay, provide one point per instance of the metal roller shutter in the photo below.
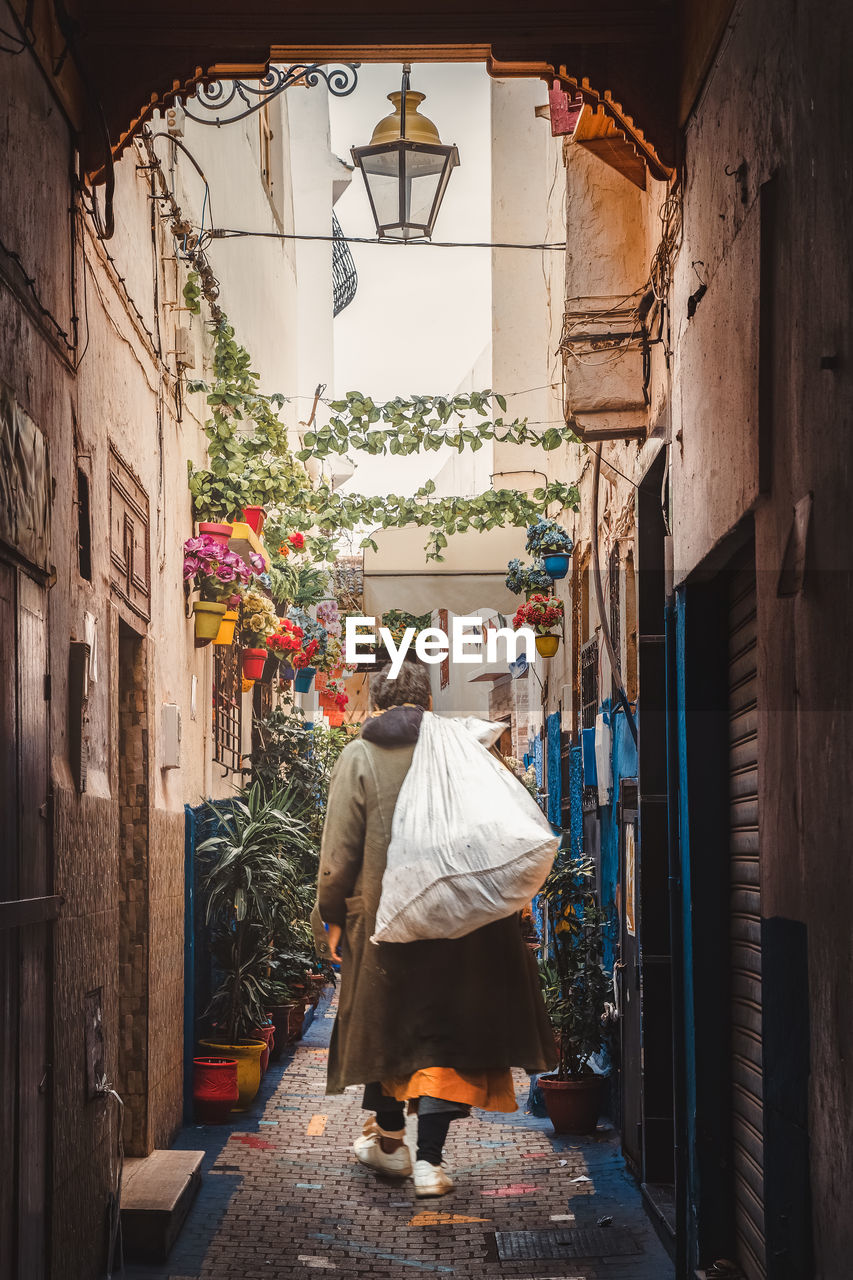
(745, 927)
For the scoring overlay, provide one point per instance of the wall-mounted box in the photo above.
(171, 736)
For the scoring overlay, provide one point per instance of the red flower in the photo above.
(297, 541)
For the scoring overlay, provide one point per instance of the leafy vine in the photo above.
(423, 422)
(250, 461)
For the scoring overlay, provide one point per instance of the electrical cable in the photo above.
(30, 283)
(232, 233)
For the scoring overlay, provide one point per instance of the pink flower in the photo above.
(257, 561)
(191, 567)
(225, 573)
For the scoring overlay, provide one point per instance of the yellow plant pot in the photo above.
(248, 1055)
(547, 646)
(208, 616)
(225, 634)
(247, 685)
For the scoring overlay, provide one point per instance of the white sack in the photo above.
(469, 844)
(485, 731)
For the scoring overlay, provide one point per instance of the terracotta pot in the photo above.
(248, 1056)
(253, 663)
(280, 1014)
(221, 532)
(547, 646)
(556, 565)
(208, 617)
(297, 1017)
(225, 634)
(573, 1105)
(254, 518)
(267, 1034)
(215, 1089)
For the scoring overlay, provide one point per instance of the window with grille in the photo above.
(227, 707)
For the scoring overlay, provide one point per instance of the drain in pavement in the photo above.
(594, 1242)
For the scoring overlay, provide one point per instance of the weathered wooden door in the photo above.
(26, 908)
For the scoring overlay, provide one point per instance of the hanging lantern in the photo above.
(406, 169)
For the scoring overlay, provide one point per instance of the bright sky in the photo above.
(421, 315)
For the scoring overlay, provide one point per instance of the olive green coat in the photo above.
(470, 1003)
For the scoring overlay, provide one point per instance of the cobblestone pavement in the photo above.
(283, 1195)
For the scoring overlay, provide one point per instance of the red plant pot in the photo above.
(267, 1034)
(297, 1017)
(253, 663)
(254, 518)
(573, 1105)
(215, 1090)
(220, 532)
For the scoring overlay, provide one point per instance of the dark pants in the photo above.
(434, 1117)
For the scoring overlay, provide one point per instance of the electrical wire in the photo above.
(231, 233)
(30, 283)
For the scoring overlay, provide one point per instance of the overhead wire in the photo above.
(232, 233)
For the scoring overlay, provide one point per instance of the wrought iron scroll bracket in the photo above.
(227, 101)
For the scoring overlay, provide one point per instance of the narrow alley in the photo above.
(283, 1195)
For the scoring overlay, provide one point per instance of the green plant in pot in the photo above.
(576, 986)
(250, 885)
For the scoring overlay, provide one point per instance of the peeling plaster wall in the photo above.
(122, 393)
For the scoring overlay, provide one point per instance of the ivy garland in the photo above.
(424, 422)
(250, 462)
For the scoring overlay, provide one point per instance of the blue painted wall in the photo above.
(555, 784)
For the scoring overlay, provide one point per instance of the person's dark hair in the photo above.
(412, 685)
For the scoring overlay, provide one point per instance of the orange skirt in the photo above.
(486, 1090)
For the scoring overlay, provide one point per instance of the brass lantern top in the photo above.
(418, 127)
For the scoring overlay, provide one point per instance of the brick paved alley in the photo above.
(283, 1195)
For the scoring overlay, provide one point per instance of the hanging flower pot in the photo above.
(219, 532)
(547, 646)
(253, 663)
(215, 1090)
(254, 518)
(246, 685)
(304, 679)
(556, 566)
(208, 617)
(286, 672)
(225, 634)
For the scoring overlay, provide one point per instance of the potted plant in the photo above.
(257, 623)
(313, 641)
(219, 576)
(254, 517)
(543, 614)
(576, 986)
(251, 888)
(549, 541)
(527, 579)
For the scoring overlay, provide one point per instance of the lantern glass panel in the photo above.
(422, 180)
(382, 176)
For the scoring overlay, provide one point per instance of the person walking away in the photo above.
(437, 1024)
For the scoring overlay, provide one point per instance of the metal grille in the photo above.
(227, 707)
(615, 608)
(745, 927)
(594, 1242)
(344, 274)
(589, 704)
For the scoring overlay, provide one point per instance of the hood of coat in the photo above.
(396, 727)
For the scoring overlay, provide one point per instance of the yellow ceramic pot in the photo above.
(248, 1055)
(247, 685)
(225, 634)
(208, 616)
(547, 646)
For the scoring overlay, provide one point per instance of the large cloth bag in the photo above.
(469, 844)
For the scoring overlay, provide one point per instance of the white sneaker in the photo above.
(368, 1149)
(431, 1179)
